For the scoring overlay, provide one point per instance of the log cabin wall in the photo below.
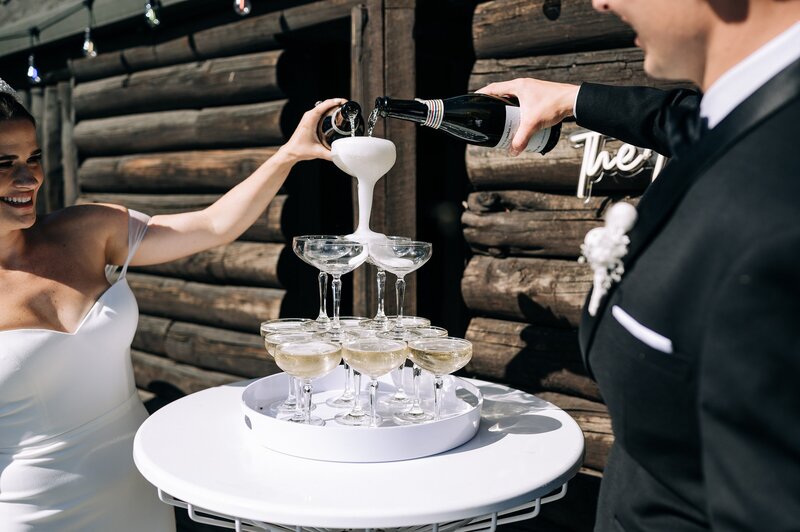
(524, 224)
(169, 128)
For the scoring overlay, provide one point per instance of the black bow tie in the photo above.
(684, 127)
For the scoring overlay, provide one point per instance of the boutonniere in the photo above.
(603, 249)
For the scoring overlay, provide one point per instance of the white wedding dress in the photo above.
(68, 414)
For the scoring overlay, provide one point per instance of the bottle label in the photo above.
(334, 119)
(538, 140)
(435, 113)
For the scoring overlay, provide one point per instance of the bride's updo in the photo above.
(11, 108)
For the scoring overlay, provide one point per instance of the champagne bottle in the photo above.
(478, 119)
(340, 122)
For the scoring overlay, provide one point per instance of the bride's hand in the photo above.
(304, 144)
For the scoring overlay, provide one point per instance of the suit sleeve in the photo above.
(636, 115)
(749, 401)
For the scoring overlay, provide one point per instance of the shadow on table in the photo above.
(508, 411)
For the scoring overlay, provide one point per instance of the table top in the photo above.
(197, 449)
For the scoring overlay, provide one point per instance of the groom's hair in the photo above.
(11, 108)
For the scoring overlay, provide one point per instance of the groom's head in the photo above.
(699, 40)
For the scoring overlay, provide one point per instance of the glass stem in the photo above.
(336, 287)
(307, 399)
(348, 382)
(416, 408)
(373, 402)
(438, 383)
(381, 281)
(400, 290)
(322, 279)
(397, 378)
(291, 399)
(357, 410)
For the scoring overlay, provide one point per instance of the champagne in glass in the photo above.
(336, 257)
(284, 325)
(440, 356)
(374, 357)
(307, 360)
(356, 416)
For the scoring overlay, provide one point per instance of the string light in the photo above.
(89, 49)
(33, 72)
(242, 7)
(151, 10)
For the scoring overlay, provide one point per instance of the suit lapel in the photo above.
(663, 196)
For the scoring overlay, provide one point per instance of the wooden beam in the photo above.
(69, 153)
(232, 126)
(622, 66)
(216, 82)
(508, 28)
(242, 263)
(210, 348)
(527, 223)
(188, 171)
(248, 35)
(540, 291)
(166, 377)
(236, 307)
(530, 357)
(383, 62)
(272, 226)
(51, 149)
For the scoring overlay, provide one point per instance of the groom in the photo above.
(697, 348)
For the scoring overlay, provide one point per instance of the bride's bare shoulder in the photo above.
(92, 221)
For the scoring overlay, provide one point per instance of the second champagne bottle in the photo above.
(475, 118)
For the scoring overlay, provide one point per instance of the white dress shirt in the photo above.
(738, 83)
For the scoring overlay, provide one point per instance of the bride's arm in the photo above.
(173, 236)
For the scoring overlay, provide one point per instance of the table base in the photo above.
(482, 523)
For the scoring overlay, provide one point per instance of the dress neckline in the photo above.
(83, 320)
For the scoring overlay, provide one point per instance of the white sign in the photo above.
(597, 162)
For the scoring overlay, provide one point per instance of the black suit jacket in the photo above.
(707, 437)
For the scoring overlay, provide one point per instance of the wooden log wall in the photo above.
(169, 128)
(524, 224)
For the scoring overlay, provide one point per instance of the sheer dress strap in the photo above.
(137, 227)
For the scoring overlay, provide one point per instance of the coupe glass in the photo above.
(271, 342)
(400, 399)
(426, 332)
(381, 320)
(356, 416)
(440, 356)
(400, 258)
(306, 360)
(284, 325)
(374, 357)
(336, 257)
(298, 245)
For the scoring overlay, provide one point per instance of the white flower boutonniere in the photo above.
(604, 247)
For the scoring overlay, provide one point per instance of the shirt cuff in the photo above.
(575, 103)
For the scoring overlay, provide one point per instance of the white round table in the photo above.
(197, 453)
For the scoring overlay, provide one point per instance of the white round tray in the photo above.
(461, 412)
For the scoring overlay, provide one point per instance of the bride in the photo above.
(68, 403)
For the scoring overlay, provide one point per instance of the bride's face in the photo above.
(20, 174)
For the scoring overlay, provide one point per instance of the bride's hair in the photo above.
(10, 109)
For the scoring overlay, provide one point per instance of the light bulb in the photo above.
(242, 7)
(151, 13)
(89, 49)
(33, 72)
